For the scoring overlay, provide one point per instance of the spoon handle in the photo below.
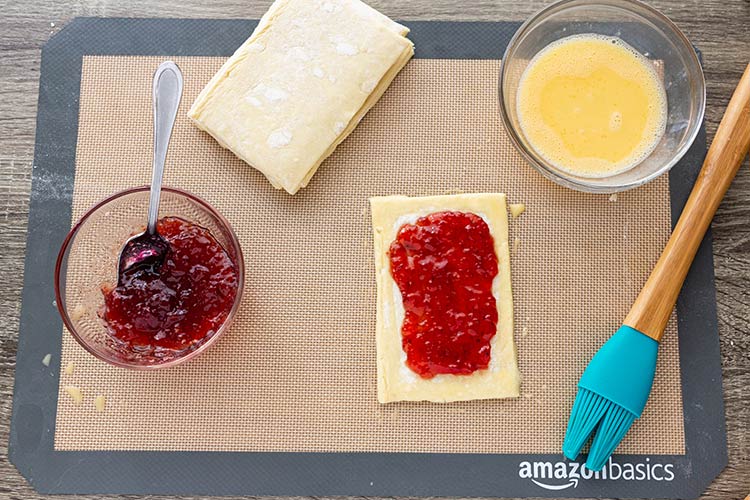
(167, 91)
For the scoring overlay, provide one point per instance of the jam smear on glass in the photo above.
(444, 265)
(173, 309)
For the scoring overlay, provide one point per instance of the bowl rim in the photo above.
(571, 182)
(240, 261)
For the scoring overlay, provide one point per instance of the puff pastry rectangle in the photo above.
(396, 382)
(300, 84)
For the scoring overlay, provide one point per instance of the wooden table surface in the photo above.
(720, 28)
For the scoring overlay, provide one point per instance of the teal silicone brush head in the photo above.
(593, 413)
(616, 423)
(611, 395)
(588, 410)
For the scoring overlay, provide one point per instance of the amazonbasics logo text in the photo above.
(564, 475)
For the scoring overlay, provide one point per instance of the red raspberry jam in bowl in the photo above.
(150, 318)
(181, 304)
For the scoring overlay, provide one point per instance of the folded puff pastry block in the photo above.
(396, 381)
(300, 84)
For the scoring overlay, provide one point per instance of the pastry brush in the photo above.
(613, 389)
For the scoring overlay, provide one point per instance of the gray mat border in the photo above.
(264, 473)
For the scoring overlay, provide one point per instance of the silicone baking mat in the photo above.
(291, 387)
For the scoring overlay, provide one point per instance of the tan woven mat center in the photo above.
(297, 370)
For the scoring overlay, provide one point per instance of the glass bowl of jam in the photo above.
(150, 317)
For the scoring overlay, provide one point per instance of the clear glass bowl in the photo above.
(646, 30)
(88, 258)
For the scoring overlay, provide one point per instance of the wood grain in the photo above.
(718, 27)
(654, 304)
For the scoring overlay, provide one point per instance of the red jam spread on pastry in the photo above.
(444, 265)
(181, 304)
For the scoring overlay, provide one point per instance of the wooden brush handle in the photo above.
(652, 308)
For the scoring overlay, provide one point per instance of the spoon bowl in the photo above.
(141, 251)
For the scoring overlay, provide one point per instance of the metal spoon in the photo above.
(148, 249)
